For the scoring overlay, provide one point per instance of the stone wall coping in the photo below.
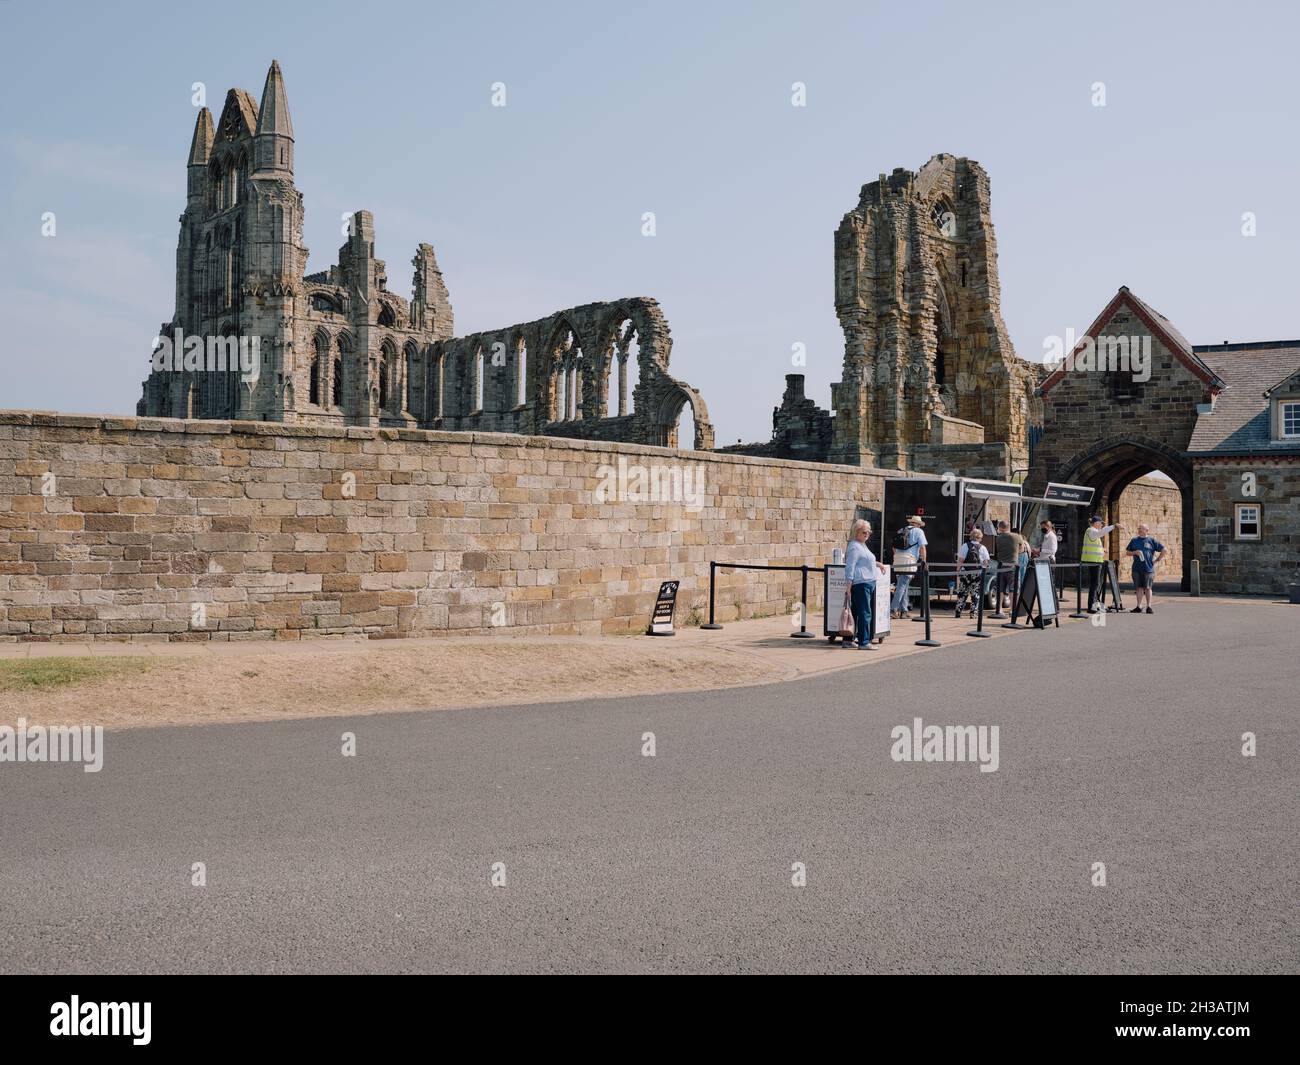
(203, 427)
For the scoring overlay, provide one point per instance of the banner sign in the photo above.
(834, 587)
(1067, 493)
(661, 622)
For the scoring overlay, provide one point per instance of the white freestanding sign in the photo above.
(833, 602)
(881, 628)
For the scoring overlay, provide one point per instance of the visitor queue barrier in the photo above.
(925, 569)
(803, 571)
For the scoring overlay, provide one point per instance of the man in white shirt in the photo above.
(1047, 548)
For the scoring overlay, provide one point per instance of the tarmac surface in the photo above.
(1119, 744)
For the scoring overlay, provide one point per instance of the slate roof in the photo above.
(1239, 423)
(1187, 350)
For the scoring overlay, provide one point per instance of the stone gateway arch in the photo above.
(1133, 396)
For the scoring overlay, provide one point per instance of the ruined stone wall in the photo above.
(159, 529)
(800, 429)
(991, 461)
(595, 372)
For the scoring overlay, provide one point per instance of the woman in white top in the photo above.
(861, 573)
(1047, 549)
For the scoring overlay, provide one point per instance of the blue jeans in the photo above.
(899, 602)
(862, 601)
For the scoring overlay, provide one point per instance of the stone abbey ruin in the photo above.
(930, 381)
(338, 348)
(381, 476)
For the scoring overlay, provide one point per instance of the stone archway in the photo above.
(1112, 465)
(670, 411)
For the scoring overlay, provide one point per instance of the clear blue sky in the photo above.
(682, 109)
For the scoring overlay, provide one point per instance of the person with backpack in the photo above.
(970, 558)
(909, 548)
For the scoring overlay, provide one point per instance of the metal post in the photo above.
(1015, 604)
(803, 633)
(997, 592)
(713, 569)
(1078, 593)
(925, 599)
(925, 594)
(979, 611)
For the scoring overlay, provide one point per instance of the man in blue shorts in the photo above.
(1146, 551)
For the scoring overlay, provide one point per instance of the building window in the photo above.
(1247, 521)
(1290, 419)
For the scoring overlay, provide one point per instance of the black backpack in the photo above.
(900, 538)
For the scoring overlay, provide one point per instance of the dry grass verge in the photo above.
(132, 692)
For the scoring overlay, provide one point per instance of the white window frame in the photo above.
(1237, 511)
(1282, 408)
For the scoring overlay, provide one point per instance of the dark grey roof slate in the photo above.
(1239, 423)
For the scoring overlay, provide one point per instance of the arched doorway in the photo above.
(1112, 466)
(667, 424)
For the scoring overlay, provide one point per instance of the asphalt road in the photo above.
(1119, 745)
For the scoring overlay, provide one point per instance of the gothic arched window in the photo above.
(320, 356)
(943, 217)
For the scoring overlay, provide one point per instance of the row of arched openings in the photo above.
(459, 387)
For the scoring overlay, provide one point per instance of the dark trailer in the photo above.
(947, 505)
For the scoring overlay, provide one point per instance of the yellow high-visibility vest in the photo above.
(1093, 550)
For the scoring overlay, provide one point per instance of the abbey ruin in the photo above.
(379, 475)
(337, 347)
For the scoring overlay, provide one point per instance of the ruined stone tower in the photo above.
(327, 344)
(927, 359)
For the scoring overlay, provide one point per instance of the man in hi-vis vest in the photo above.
(1092, 554)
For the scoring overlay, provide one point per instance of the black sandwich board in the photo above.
(661, 621)
(1037, 590)
(1112, 578)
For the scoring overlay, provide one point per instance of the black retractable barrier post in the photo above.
(925, 595)
(1078, 593)
(713, 572)
(978, 630)
(997, 591)
(1015, 604)
(803, 633)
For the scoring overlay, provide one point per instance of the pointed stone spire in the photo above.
(273, 115)
(201, 145)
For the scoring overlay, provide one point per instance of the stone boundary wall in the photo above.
(149, 529)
